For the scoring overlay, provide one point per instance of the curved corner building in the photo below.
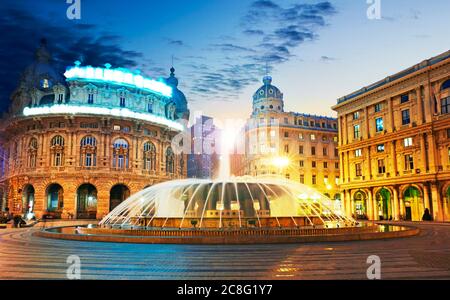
(76, 145)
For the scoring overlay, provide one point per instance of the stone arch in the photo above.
(28, 200)
(360, 201)
(54, 199)
(413, 202)
(383, 197)
(87, 198)
(403, 188)
(117, 194)
(445, 85)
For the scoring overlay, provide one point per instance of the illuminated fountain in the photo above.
(228, 210)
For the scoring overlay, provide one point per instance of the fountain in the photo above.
(227, 210)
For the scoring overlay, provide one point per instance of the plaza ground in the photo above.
(426, 256)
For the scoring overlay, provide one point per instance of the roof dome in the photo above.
(41, 74)
(178, 96)
(267, 90)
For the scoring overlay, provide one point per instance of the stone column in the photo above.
(345, 138)
(341, 167)
(394, 159)
(396, 205)
(423, 154)
(419, 106)
(427, 104)
(347, 208)
(426, 196)
(375, 208)
(446, 215)
(431, 153)
(391, 114)
(370, 206)
(436, 199)
(366, 123)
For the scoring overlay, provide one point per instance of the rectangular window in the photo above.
(300, 149)
(286, 148)
(314, 179)
(88, 162)
(380, 148)
(90, 98)
(358, 170)
(325, 165)
(379, 124)
(404, 98)
(300, 136)
(378, 107)
(117, 127)
(313, 137)
(336, 152)
(336, 165)
(150, 107)
(358, 153)
(356, 132)
(313, 150)
(286, 134)
(325, 151)
(405, 117)
(408, 142)
(448, 133)
(313, 163)
(311, 123)
(60, 98)
(302, 179)
(301, 164)
(409, 162)
(286, 121)
(445, 105)
(57, 160)
(356, 115)
(381, 166)
(122, 102)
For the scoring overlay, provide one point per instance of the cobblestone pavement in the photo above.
(426, 256)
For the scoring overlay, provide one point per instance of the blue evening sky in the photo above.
(316, 51)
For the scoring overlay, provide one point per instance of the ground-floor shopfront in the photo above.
(399, 202)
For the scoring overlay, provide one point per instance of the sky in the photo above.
(316, 51)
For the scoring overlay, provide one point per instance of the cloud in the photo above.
(20, 38)
(232, 47)
(253, 32)
(172, 42)
(325, 58)
(285, 28)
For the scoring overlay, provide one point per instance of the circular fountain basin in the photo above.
(364, 232)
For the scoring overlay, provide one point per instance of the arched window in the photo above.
(32, 153)
(170, 165)
(57, 150)
(88, 153)
(120, 154)
(149, 156)
(445, 85)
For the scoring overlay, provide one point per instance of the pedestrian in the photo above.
(427, 216)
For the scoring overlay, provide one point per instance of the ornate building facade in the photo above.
(301, 147)
(76, 145)
(394, 144)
